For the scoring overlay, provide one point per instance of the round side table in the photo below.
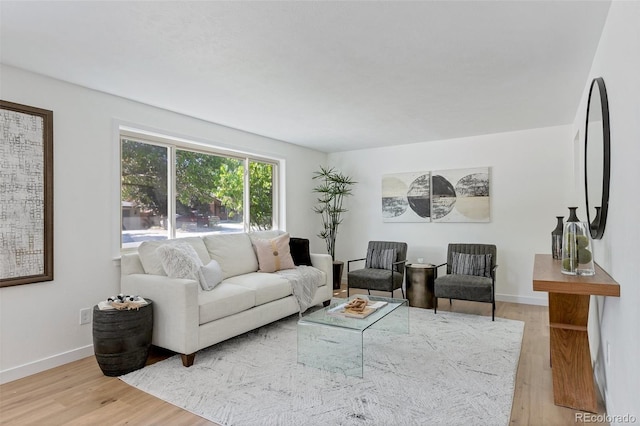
(420, 278)
(121, 339)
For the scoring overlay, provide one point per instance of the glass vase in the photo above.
(577, 248)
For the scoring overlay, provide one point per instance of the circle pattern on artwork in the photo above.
(419, 197)
(394, 199)
(444, 197)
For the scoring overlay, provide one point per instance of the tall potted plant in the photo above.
(332, 188)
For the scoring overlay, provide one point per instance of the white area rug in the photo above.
(452, 369)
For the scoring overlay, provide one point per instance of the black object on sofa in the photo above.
(384, 268)
(471, 274)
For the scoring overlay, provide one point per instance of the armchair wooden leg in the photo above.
(369, 291)
(187, 359)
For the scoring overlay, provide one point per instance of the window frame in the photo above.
(173, 144)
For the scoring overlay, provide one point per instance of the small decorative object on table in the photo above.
(556, 239)
(122, 302)
(577, 251)
(356, 308)
(122, 330)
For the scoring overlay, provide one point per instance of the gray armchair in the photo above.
(471, 274)
(383, 270)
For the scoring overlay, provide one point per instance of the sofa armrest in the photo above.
(175, 309)
(325, 264)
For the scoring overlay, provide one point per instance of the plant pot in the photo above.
(338, 267)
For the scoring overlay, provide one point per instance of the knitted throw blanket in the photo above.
(304, 281)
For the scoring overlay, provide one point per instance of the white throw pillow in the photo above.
(180, 261)
(210, 275)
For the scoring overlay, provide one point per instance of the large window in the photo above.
(171, 191)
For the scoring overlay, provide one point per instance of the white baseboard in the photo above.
(34, 367)
(525, 300)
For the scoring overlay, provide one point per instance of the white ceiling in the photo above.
(332, 76)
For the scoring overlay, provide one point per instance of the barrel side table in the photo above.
(121, 339)
(420, 279)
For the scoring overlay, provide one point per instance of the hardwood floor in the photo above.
(79, 394)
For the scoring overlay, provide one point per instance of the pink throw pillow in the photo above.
(274, 254)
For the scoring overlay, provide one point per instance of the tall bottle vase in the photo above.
(556, 239)
(577, 248)
(596, 220)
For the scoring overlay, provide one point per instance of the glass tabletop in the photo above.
(330, 315)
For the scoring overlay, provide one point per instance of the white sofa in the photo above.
(187, 318)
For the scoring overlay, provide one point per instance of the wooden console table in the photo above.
(573, 381)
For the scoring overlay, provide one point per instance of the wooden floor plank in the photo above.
(79, 394)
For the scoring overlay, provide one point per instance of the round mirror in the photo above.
(597, 147)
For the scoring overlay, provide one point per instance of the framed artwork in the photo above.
(460, 195)
(26, 195)
(406, 197)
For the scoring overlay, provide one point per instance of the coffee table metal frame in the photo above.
(335, 343)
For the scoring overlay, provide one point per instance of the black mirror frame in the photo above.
(597, 229)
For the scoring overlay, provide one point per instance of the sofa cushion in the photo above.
(267, 287)
(151, 260)
(274, 254)
(179, 260)
(465, 287)
(233, 252)
(224, 300)
(299, 248)
(210, 275)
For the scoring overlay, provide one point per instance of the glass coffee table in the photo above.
(330, 341)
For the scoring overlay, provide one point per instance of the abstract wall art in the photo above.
(460, 195)
(26, 194)
(406, 197)
(457, 195)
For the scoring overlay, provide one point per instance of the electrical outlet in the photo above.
(608, 355)
(85, 316)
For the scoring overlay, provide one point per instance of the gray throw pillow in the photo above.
(471, 264)
(210, 275)
(380, 258)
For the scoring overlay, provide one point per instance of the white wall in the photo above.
(529, 173)
(617, 320)
(39, 323)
